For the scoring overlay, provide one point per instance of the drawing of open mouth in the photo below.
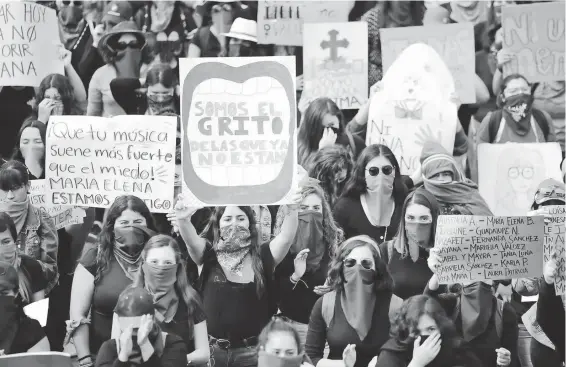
(239, 124)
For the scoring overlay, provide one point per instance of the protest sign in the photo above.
(476, 248)
(38, 311)
(411, 108)
(40, 359)
(62, 215)
(239, 119)
(509, 174)
(534, 33)
(453, 42)
(27, 35)
(281, 22)
(529, 319)
(335, 59)
(90, 161)
(554, 232)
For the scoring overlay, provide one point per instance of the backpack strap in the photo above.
(494, 123)
(499, 318)
(328, 302)
(542, 122)
(394, 306)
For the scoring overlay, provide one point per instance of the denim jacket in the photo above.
(38, 239)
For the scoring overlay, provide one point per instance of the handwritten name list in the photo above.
(554, 232)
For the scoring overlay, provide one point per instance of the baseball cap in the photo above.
(550, 189)
(117, 12)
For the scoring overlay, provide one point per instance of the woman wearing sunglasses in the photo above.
(406, 255)
(121, 48)
(210, 39)
(373, 197)
(354, 318)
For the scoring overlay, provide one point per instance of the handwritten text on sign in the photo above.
(535, 35)
(281, 22)
(92, 160)
(554, 232)
(453, 42)
(474, 248)
(27, 33)
(62, 215)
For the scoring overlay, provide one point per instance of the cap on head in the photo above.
(117, 12)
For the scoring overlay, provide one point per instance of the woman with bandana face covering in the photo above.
(487, 325)
(406, 254)
(20, 334)
(104, 272)
(209, 40)
(322, 126)
(236, 278)
(122, 49)
(279, 345)
(424, 336)
(31, 148)
(178, 309)
(138, 340)
(373, 197)
(354, 318)
(302, 274)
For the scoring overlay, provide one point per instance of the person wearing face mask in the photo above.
(422, 335)
(20, 334)
(243, 39)
(487, 325)
(209, 40)
(36, 234)
(302, 274)
(122, 50)
(279, 345)
(178, 309)
(31, 148)
(104, 272)
(372, 200)
(137, 339)
(354, 318)
(406, 254)
(59, 95)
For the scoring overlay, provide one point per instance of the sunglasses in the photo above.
(75, 3)
(365, 263)
(218, 8)
(374, 171)
(121, 46)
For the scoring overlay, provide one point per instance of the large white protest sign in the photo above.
(62, 215)
(92, 160)
(411, 109)
(28, 33)
(281, 22)
(509, 174)
(475, 248)
(38, 359)
(239, 119)
(335, 59)
(554, 245)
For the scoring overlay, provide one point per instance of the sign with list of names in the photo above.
(478, 248)
(554, 232)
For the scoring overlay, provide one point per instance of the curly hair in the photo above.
(382, 282)
(325, 166)
(106, 237)
(212, 234)
(65, 89)
(404, 328)
(332, 234)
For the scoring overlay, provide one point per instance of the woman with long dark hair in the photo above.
(104, 272)
(59, 95)
(30, 147)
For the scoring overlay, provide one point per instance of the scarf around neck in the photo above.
(160, 283)
(358, 299)
(17, 210)
(476, 308)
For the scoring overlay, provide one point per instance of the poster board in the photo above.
(335, 63)
(28, 33)
(41, 359)
(411, 108)
(554, 233)
(38, 311)
(453, 42)
(281, 22)
(509, 174)
(90, 161)
(238, 120)
(535, 34)
(62, 215)
(477, 248)
(531, 324)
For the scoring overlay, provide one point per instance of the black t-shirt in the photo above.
(14, 109)
(29, 334)
(34, 273)
(179, 324)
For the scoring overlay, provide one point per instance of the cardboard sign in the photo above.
(411, 108)
(509, 174)
(41, 359)
(531, 324)
(281, 22)
(28, 32)
(90, 161)
(38, 311)
(239, 120)
(554, 232)
(453, 42)
(535, 34)
(336, 63)
(476, 248)
(62, 215)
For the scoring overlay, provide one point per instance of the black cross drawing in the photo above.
(333, 44)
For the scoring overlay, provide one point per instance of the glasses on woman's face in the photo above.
(526, 172)
(121, 45)
(365, 263)
(218, 8)
(374, 171)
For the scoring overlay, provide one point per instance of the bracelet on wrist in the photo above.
(293, 280)
(85, 357)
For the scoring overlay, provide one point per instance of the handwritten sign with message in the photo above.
(281, 22)
(92, 160)
(62, 215)
(554, 232)
(535, 35)
(453, 42)
(27, 34)
(529, 319)
(238, 117)
(475, 248)
(336, 63)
